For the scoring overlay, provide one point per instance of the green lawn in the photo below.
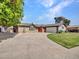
(68, 40)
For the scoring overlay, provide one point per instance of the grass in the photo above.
(68, 40)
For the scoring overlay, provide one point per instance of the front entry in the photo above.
(39, 29)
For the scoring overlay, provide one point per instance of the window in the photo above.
(62, 27)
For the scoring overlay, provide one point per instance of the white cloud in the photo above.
(47, 3)
(56, 10)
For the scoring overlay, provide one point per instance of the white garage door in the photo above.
(23, 29)
(51, 29)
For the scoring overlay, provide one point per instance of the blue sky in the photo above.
(44, 11)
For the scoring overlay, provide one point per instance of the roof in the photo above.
(53, 25)
(73, 26)
(39, 25)
(25, 24)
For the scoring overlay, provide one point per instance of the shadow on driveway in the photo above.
(5, 36)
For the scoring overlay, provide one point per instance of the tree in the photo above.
(66, 22)
(59, 19)
(11, 12)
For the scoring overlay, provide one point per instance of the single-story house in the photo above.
(26, 27)
(51, 28)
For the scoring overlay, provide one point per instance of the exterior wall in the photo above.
(61, 28)
(36, 30)
(51, 29)
(32, 28)
(42, 29)
(10, 29)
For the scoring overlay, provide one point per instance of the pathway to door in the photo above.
(35, 46)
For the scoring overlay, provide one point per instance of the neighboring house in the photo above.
(50, 28)
(8, 29)
(2, 29)
(73, 28)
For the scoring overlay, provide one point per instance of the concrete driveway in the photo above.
(35, 46)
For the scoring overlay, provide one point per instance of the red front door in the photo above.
(39, 29)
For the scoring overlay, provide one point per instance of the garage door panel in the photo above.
(51, 29)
